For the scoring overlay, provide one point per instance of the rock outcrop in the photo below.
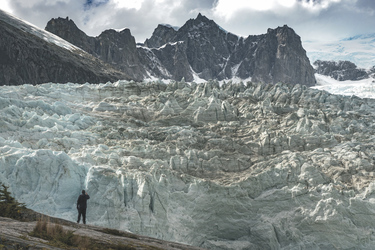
(213, 53)
(30, 55)
(341, 70)
(117, 48)
(199, 49)
(231, 166)
(16, 235)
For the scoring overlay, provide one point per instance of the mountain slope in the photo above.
(199, 49)
(30, 55)
(117, 48)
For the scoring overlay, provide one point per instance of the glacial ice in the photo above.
(358, 50)
(221, 166)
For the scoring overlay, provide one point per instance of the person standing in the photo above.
(82, 205)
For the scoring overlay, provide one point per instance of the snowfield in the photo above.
(216, 165)
(358, 49)
(363, 88)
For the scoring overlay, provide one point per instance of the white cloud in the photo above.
(317, 6)
(4, 5)
(128, 4)
(229, 7)
(311, 19)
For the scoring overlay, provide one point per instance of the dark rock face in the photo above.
(213, 53)
(27, 58)
(117, 48)
(280, 57)
(162, 35)
(67, 29)
(341, 70)
(199, 48)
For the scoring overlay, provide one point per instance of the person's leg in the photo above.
(79, 215)
(84, 215)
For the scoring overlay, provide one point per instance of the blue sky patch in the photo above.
(94, 3)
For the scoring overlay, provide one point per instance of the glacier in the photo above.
(357, 49)
(220, 165)
(364, 88)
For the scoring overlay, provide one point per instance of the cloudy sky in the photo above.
(311, 19)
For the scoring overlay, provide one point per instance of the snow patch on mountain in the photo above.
(170, 44)
(196, 77)
(235, 68)
(121, 29)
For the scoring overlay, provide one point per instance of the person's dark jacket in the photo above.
(82, 201)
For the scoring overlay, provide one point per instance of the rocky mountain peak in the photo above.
(123, 39)
(161, 35)
(68, 30)
(117, 48)
(281, 57)
(62, 24)
(211, 52)
(117, 33)
(287, 35)
(201, 25)
(37, 56)
(200, 48)
(201, 19)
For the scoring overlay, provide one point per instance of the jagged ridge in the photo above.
(115, 47)
(214, 53)
(200, 48)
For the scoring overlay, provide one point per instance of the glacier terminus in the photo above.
(219, 165)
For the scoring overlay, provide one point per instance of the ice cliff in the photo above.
(220, 166)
